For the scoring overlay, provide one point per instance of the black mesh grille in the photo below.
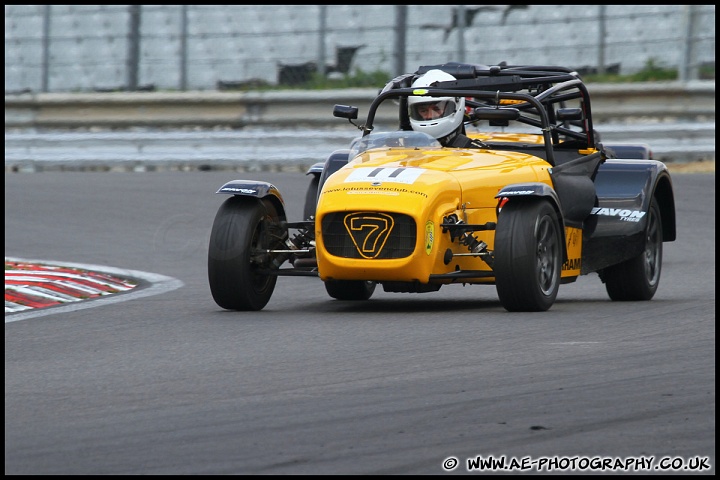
(370, 235)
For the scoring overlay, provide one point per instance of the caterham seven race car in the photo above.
(532, 201)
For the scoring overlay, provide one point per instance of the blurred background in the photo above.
(95, 48)
(253, 86)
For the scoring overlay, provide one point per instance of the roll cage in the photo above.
(537, 96)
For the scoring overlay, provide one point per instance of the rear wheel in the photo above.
(638, 278)
(528, 256)
(350, 289)
(241, 233)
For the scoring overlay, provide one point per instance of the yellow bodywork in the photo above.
(427, 184)
(516, 138)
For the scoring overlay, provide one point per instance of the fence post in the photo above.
(688, 69)
(321, 37)
(133, 58)
(693, 62)
(46, 49)
(400, 36)
(461, 24)
(601, 39)
(183, 46)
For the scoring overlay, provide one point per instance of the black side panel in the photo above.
(615, 230)
(573, 182)
(639, 151)
(336, 160)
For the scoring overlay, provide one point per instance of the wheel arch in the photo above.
(665, 197)
(264, 191)
(336, 160)
(535, 191)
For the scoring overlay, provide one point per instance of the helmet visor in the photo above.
(432, 110)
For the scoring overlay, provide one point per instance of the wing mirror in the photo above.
(496, 114)
(564, 114)
(498, 117)
(345, 111)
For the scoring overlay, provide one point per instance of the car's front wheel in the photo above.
(237, 254)
(638, 278)
(528, 256)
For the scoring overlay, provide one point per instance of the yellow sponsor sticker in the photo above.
(429, 236)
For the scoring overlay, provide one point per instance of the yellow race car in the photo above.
(521, 195)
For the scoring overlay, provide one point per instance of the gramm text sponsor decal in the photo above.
(239, 190)
(518, 192)
(572, 264)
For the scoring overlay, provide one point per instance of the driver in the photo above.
(439, 117)
(432, 110)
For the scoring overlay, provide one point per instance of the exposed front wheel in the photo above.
(241, 235)
(528, 256)
(639, 277)
(350, 289)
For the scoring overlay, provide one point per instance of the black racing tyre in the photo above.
(637, 279)
(350, 289)
(239, 232)
(528, 256)
(311, 198)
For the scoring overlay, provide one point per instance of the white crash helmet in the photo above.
(453, 108)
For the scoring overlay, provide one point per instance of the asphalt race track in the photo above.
(169, 383)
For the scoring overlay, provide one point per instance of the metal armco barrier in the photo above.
(674, 117)
(691, 101)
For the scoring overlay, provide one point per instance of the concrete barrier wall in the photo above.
(71, 48)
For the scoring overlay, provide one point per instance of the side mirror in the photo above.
(345, 111)
(564, 114)
(496, 114)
